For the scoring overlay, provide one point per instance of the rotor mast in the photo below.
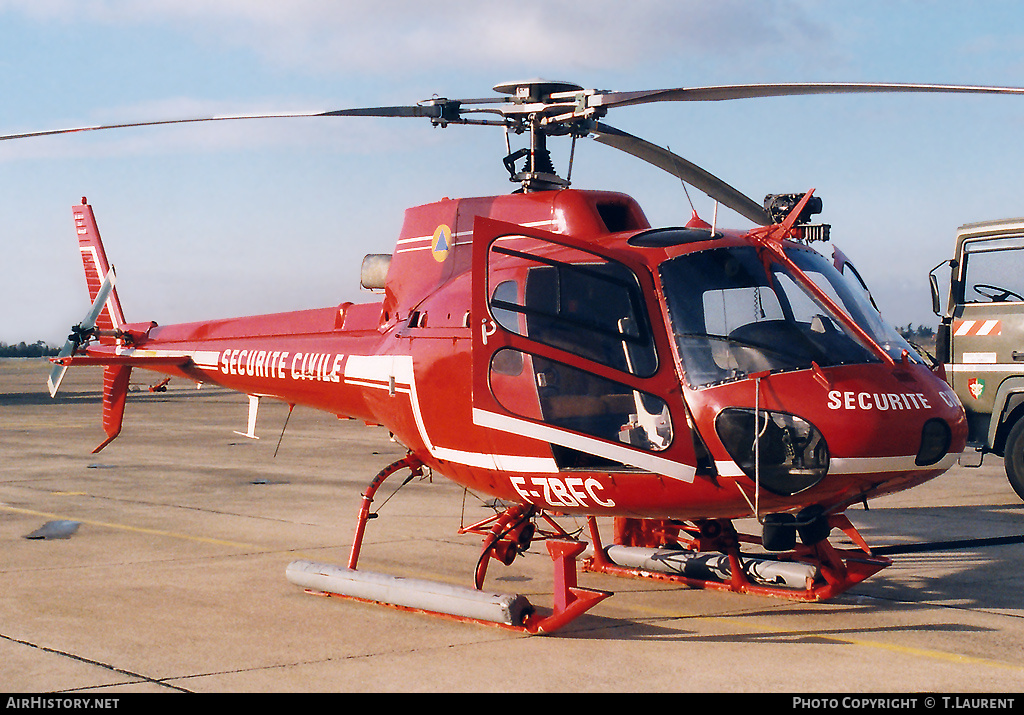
(534, 104)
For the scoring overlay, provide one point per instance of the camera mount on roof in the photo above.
(778, 207)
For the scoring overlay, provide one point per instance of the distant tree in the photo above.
(36, 349)
(920, 334)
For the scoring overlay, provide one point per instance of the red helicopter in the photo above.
(553, 350)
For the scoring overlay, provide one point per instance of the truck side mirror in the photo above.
(934, 282)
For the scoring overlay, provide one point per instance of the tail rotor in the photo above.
(80, 333)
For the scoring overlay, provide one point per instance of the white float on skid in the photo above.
(416, 594)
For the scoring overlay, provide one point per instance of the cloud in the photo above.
(388, 36)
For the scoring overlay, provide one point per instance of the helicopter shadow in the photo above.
(952, 557)
(961, 556)
(782, 622)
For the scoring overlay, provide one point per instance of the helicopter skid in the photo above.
(410, 594)
(511, 611)
(811, 573)
(472, 605)
(857, 569)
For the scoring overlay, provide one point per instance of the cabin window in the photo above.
(578, 302)
(573, 399)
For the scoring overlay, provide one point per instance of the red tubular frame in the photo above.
(840, 569)
(410, 461)
(569, 600)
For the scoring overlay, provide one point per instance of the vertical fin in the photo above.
(96, 265)
(115, 390)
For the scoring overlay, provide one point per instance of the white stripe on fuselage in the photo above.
(857, 465)
(394, 373)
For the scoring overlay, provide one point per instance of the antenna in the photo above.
(685, 190)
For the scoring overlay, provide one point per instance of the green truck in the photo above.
(980, 339)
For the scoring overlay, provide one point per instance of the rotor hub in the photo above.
(535, 90)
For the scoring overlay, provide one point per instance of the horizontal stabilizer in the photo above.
(123, 360)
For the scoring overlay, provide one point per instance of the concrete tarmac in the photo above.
(170, 576)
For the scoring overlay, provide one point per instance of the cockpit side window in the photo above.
(732, 315)
(580, 303)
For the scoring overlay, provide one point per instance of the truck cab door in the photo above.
(987, 330)
(570, 351)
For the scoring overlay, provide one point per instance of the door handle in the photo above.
(1018, 355)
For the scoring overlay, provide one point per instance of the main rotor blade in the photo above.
(683, 169)
(126, 125)
(413, 110)
(436, 110)
(751, 91)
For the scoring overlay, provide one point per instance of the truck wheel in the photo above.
(1013, 458)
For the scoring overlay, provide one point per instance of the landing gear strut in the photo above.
(505, 535)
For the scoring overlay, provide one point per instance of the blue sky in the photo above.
(214, 220)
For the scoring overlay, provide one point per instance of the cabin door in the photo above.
(570, 351)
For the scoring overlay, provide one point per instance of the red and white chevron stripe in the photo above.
(977, 327)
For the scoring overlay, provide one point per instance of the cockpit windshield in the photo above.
(730, 317)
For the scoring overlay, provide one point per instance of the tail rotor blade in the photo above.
(78, 331)
(89, 322)
(58, 370)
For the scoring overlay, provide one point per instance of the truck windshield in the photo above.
(732, 317)
(993, 270)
